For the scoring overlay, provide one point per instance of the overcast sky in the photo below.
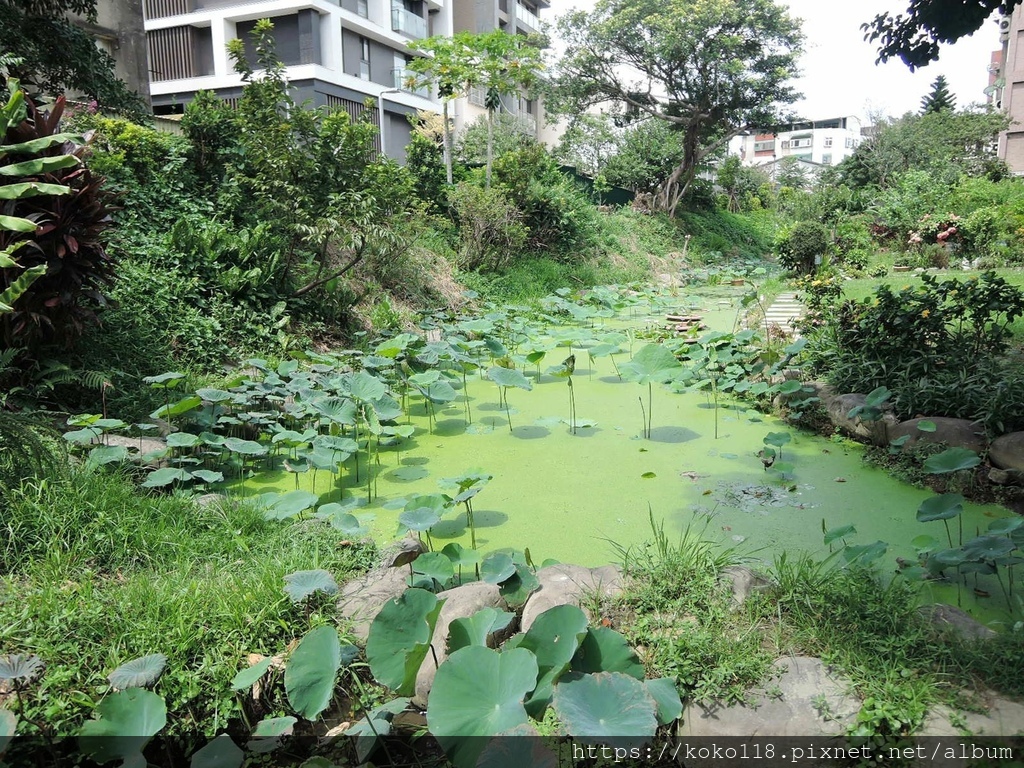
(839, 75)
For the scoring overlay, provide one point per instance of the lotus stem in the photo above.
(949, 538)
(643, 416)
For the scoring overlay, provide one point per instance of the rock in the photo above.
(209, 499)
(139, 447)
(743, 582)
(875, 432)
(1007, 451)
(402, 552)
(565, 584)
(956, 433)
(1002, 717)
(360, 600)
(949, 618)
(460, 602)
(804, 700)
(1005, 476)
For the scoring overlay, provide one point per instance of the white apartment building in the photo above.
(822, 142)
(338, 53)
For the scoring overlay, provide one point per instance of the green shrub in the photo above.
(491, 226)
(797, 249)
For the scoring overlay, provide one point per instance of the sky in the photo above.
(839, 76)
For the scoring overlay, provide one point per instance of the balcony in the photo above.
(407, 23)
(527, 18)
(400, 79)
(526, 123)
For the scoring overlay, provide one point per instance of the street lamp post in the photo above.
(380, 116)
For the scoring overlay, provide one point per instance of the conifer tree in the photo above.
(939, 99)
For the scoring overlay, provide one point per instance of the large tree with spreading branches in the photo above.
(709, 68)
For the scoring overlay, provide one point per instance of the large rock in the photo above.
(1007, 451)
(460, 602)
(743, 582)
(360, 600)
(875, 432)
(956, 433)
(949, 618)
(1002, 717)
(564, 584)
(804, 700)
(402, 552)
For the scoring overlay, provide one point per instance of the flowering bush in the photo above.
(936, 229)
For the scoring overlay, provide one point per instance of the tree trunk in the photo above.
(490, 144)
(446, 142)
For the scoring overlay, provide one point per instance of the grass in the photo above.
(869, 628)
(97, 575)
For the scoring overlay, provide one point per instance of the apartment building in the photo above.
(519, 17)
(822, 142)
(337, 54)
(118, 30)
(1007, 86)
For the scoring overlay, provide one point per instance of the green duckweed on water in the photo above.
(569, 495)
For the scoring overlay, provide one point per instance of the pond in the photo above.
(578, 495)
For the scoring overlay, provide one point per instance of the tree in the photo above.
(946, 144)
(711, 68)
(739, 182)
(57, 55)
(939, 99)
(791, 173)
(587, 143)
(916, 36)
(645, 155)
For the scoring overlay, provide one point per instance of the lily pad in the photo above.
(20, 666)
(399, 639)
(478, 692)
(282, 506)
(988, 547)
(248, 677)
(301, 584)
(475, 629)
(435, 566)
(496, 567)
(138, 673)
(408, 474)
(554, 638)
(942, 507)
(951, 460)
(666, 695)
(222, 752)
(605, 650)
(125, 723)
(312, 668)
(606, 705)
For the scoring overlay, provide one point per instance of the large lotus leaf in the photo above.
(778, 439)
(285, 505)
(182, 440)
(165, 476)
(312, 668)
(322, 459)
(387, 408)
(434, 566)
(496, 567)
(83, 436)
(127, 721)
(207, 475)
(247, 677)
(1005, 525)
(268, 733)
(419, 519)
(164, 380)
(335, 443)
(475, 629)
(301, 584)
(839, 532)
(8, 724)
(347, 523)
(951, 460)
(595, 708)
(942, 507)
(19, 666)
(946, 558)
(478, 692)
(518, 747)
(399, 639)
(438, 392)
(215, 395)
(393, 347)
(988, 547)
(336, 410)
(375, 726)
(219, 753)
(138, 673)
(244, 447)
(516, 589)
(107, 454)
(468, 485)
(460, 556)
(171, 410)
(554, 639)
(654, 363)
(366, 387)
(666, 696)
(865, 554)
(508, 377)
(605, 650)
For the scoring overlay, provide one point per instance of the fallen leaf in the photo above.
(840, 479)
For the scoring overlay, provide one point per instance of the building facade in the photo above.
(821, 142)
(1008, 88)
(337, 53)
(119, 31)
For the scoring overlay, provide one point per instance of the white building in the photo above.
(338, 53)
(822, 142)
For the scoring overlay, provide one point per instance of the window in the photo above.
(826, 159)
(364, 58)
(800, 143)
(828, 141)
(785, 145)
(850, 143)
(363, 8)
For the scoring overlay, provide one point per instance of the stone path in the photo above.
(785, 310)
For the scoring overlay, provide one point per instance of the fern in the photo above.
(28, 448)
